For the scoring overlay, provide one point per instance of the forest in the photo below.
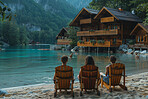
(79, 4)
(41, 19)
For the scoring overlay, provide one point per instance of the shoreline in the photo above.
(137, 85)
(76, 81)
(28, 86)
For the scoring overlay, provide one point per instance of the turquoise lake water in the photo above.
(29, 65)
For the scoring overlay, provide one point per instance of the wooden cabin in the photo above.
(105, 28)
(63, 37)
(141, 35)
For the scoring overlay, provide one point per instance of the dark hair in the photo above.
(112, 58)
(64, 59)
(89, 60)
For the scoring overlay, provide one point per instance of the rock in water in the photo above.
(129, 50)
(123, 46)
(3, 92)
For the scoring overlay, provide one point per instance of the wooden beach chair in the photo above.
(116, 72)
(90, 78)
(63, 79)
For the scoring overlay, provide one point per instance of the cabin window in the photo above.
(116, 27)
(138, 38)
(112, 26)
(141, 38)
(87, 39)
(145, 38)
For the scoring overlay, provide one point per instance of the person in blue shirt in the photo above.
(106, 77)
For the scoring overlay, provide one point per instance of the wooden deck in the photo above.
(98, 32)
(63, 41)
(138, 46)
(105, 44)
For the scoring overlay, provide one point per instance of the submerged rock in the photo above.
(143, 52)
(44, 91)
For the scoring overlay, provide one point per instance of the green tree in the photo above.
(146, 19)
(139, 7)
(73, 35)
(98, 4)
(11, 33)
(5, 12)
(23, 36)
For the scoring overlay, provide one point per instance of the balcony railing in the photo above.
(63, 41)
(105, 44)
(89, 44)
(98, 32)
(85, 21)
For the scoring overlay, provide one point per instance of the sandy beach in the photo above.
(137, 85)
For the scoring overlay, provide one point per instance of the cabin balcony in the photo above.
(106, 43)
(63, 41)
(86, 21)
(98, 32)
(89, 44)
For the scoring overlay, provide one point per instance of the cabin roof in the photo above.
(62, 30)
(142, 26)
(121, 15)
(90, 11)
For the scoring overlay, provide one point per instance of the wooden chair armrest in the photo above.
(98, 78)
(55, 79)
(73, 80)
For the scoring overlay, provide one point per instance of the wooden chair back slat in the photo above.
(115, 73)
(64, 74)
(89, 76)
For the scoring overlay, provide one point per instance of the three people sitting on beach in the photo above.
(89, 61)
(89, 66)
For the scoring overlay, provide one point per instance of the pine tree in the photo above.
(23, 36)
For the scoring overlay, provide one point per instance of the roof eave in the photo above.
(107, 11)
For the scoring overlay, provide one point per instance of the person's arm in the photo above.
(79, 76)
(54, 78)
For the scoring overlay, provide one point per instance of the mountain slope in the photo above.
(79, 4)
(47, 16)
